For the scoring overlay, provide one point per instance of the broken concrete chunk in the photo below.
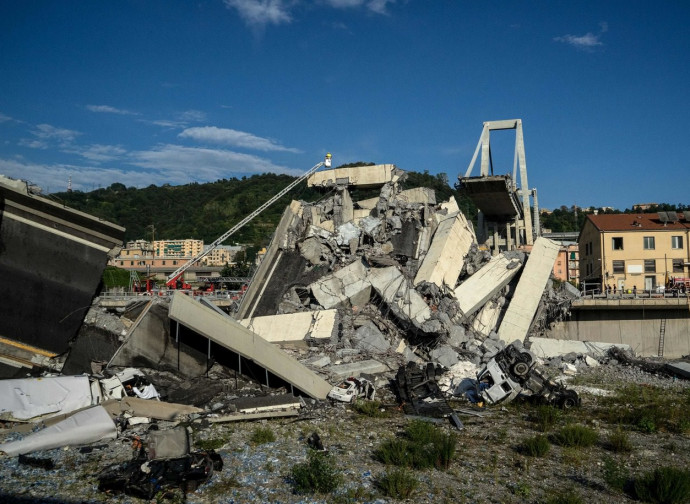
(317, 324)
(405, 302)
(347, 286)
(347, 232)
(235, 337)
(312, 250)
(444, 259)
(444, 355)
(369, 338)
(423, 195)
(547, 347)
(478, 289)
(84, 427)
(537, 271)
(360, 176)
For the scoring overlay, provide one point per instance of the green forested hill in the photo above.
(206, 211)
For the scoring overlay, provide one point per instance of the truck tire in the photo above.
(520, 369)
(568, 399)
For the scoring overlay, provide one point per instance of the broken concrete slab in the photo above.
(28, 399)
(316, 324)
(445, 258)
(160, 410)
(346, 287)
(491, 278)
(485, 321)
(235, 337)
(523, 305)
(357, 368)
(444, 355)
(395, 290)
(263, 404)
(267, 267)
(548, 348)
(359, 176)
(86, 426)
(422, 195)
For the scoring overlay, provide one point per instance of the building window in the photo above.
(676, 242)
(131, 263)
(174, 263)
(648, 242)
(677, 265)
(619, 267)
(572, 256)
(163, 263)
(617, 243)
(650, 266)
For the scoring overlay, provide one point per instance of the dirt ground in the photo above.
(488, 465)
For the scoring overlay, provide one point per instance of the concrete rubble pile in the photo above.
(403, 271)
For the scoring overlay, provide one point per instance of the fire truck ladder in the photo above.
(179, 271)
(662, 334)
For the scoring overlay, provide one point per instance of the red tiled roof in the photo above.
(632, 222)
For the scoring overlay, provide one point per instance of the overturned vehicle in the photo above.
(513, 371)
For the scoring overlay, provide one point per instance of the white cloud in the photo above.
(33, 143)
(192, 116)
(166, 123)
(110, 110)
(203, 164)
(588, 41)
(98, 152)
(378, 6)
(234, 138)
(260, 13)
(4, 118)
(46, 131)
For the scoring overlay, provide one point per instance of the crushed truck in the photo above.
(513, 371)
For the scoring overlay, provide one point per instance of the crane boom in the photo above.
(179, 271)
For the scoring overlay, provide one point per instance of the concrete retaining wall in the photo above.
(638, 328)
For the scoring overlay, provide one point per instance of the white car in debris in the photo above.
(353, 388)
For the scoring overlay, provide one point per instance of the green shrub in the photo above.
(536, 446)
(619, 442)
(546, 416)
(262, 435)
(424, 446)
(616, 475)
(665, 485)
(370, 408)
(577, 436)
(318, 474)
(394, 452)
(397, 484)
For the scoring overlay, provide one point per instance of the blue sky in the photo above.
(155, 92)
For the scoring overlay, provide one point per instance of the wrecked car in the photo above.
(353, 388)
(512, 372)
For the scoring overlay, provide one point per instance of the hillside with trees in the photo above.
(206, 211)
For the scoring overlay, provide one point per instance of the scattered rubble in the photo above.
(378, 295)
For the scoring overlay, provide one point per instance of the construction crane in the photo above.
(175, 275)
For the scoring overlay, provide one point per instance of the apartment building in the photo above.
(640, 251)
(178, 248)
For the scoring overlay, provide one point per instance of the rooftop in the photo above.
(660, 221)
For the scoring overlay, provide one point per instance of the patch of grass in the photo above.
(648, 409)
(397, 484)
(576, 436)
(616, 475)
(664, 485)
(210, 444)
(353, 495)
(619, 441)
(546, 417)
(371, 409)
(423, 446)
(521, 489)
(564, 497)
(537, 446)
(317, 475)
(262, 435)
